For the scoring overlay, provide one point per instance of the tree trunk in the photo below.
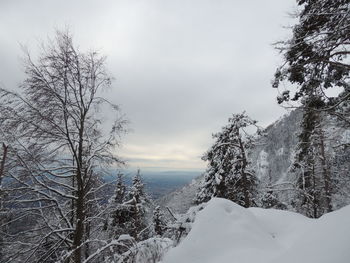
(314, 195)
(325, 172)
(87, 233)
(80, 202)
(3, 159)
(244, 175)
(2, 168)
(79, 228)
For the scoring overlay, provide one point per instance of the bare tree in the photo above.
(59, 146)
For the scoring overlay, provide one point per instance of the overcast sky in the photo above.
(181, 67)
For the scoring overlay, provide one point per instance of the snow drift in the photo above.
(226, 232)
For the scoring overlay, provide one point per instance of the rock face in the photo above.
(273, 154)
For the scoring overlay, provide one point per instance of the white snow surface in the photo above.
(226, 232)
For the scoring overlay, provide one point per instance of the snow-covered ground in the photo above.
(225, 232)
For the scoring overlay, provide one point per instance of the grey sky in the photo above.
(180, 67)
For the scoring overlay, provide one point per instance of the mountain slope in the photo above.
(181, 200)
(272, 157)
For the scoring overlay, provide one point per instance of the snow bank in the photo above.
(226, 232)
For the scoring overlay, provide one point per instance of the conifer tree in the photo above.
(159, 224)
(129, 209)
(311, 164)
(316, 56)
(138, 208)
(229, 174)
(269, 200)
(120, 189)
(119, 215)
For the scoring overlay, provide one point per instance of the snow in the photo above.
(226, 232)
(124, 237)
(280, 151)
(181, 200)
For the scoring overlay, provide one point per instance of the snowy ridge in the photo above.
(224, 232)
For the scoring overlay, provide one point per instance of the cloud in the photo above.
(180, 67)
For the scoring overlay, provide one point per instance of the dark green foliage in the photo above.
(120, 213)
(316, 56)
(313, 183)
(270, 200)
(120, 190)
(128, 209)
(137, 208)
(316, 59)
(229, 174)
(159, 223)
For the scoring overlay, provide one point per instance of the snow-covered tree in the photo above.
(119, 214)
(137, 191)
(269, 200)
(311, 164)
(120, 190)
(316, 56)
(129, 209)
(138, 207)
(229, 174)
(53, 128)
(159, 224)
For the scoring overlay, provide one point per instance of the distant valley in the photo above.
(159, 184)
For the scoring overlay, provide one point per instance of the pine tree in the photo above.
(129, 209)
(137, 202)
(159, 224)
(119, 215)
(311, 165)
(269, 200)
(120, 189)
(268, 195)
(229, 174)
(137, 189)
(316, 56)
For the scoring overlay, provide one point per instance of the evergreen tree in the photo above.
(316, 56)
(137, 189)
(269, 200)
(310, 165)
(229, 174)
(159, 224)
(119, 211)
(268, 195)
(120, 189)
(138, 208)
(128, 209)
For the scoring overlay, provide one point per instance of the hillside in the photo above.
(181, 200)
